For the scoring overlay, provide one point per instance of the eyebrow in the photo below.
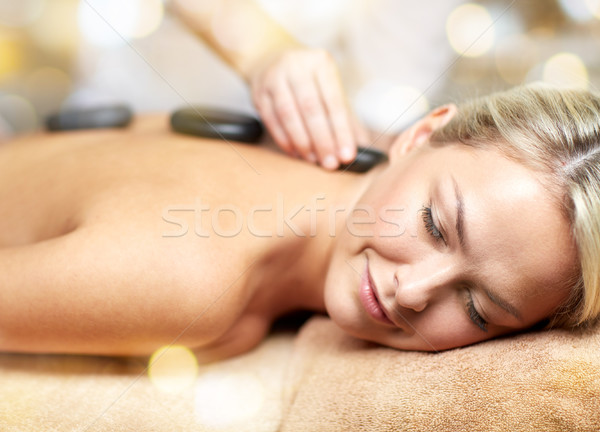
(502, 303)
(460, 215)
(460, 232)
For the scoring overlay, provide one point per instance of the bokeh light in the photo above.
(226, 399)
(18, 113)
(19, 13)
(47, 88)
(581, 10)
(112, 22)
(11, 55)
(594, 7)
(566, 69)
(311, 21)
(514, 68)
(56, 29)
(150, 14)
(173, 369)
(389, 107)
(470, 30)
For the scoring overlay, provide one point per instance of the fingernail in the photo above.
(346, 154)
(330, 162)
(311, 157)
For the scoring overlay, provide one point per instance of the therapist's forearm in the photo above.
(242, 33)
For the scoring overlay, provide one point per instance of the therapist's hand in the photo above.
(300, 98)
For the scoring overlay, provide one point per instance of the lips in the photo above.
(369, 300)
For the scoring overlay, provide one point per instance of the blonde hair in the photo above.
(555, 131)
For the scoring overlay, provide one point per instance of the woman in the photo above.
(484, 222)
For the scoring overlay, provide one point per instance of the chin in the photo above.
(343, 310)
(343, 305)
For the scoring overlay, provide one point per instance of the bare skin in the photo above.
(119, 242)
(94, 259)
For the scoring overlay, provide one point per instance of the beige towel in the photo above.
(43, 393)
(547, 381)
(541, 382)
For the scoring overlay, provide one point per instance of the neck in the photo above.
(291, 271)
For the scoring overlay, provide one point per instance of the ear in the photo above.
(419, 133)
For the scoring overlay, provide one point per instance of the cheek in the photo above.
(341, 283)
(387, 216)
(439, 328)
(379, 223)
(394, 234)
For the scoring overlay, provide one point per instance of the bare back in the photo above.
(120, 241)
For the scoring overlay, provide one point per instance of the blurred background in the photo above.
(398, 58)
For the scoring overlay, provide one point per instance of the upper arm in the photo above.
(93, 291)
(246, 334)
(251, 34)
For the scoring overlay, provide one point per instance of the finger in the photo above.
(289, 117)
(264, 104)
(339, 115)
(315, 118)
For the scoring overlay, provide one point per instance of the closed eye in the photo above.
(474, 315)
(430, 226)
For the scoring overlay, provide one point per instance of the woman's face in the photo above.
(447, 247)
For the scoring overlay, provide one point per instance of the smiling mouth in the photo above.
(369, 300)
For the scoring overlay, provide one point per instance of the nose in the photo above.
(417, 285)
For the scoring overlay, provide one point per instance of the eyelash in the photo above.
(474, 315)
(430, 225)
